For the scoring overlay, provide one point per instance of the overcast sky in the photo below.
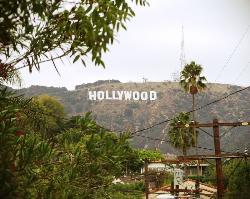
(217, 36)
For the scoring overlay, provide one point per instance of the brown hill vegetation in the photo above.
(134, 115)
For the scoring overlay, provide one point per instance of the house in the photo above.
(191, 168)
(206, 191)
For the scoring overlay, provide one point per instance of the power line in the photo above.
(152, 126)
(168, 141)
(227, 131)
(233, 52)
(220, 99)
(239, 148)
(242, 71)
(150, 138)
(196, 109)
(238, 164)
(164, 121)
(204, 131)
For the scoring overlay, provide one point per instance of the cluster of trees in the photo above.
(43, 154)
(236, 178)
(236, 172)
(192, 82)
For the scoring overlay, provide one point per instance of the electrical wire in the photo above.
(168, 141)
(242, 71)
(167, 120)
(233, 52)
(205, 132)
(237, 150)
(235, 168)
(154, 139)
(152, 126)
(227, 131)
(210, 162)
(196, 109)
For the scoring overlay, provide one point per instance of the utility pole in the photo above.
(217, 156)
(219, 173)
(146, 179)
(216, 132)
(185, 159)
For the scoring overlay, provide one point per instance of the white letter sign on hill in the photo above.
(153, 95)
(92, 95)
(122, 95)
(127, 95)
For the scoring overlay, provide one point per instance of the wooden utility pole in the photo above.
(186, 159)
(216, 132)
(217, 156)
(219, 173)
(146, 179)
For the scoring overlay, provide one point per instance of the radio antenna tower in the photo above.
(182, 55)
(176, 75)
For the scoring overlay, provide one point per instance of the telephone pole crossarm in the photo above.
(203, 157)
(217, 156)
(170, 161)
(198, 125)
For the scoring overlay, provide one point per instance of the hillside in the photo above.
(134, 115)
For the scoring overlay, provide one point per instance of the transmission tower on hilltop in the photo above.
(182, 55)
(176, 75)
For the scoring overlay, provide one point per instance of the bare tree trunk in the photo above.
(195, 135)
(193, 100)
(184, 151)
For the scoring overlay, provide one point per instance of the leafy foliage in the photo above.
(181, 138)
(239, 180)
(17, 116)
(174, 101)
(53, 110)
(8, 74)
(33, 32)
(150, 155)
(81, 162)
(160, 178)
(191, 78)
(236, 178)
(127, 191)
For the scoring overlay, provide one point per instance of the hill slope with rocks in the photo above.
(171, 99)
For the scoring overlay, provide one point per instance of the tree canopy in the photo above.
(53, 110)
(150, 155)
(181, 138)
(83, 158)
(191, 79)
(33, 32)
(81, 162)
(236, 178)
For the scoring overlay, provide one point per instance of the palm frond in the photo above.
(191, 76)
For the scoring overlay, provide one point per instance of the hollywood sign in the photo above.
(122, 95)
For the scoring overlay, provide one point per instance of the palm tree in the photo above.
(192, 82)
(181, 138)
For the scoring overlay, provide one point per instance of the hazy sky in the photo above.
(214, 31)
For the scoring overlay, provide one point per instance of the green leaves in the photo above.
(76, 58)
(180, 137)
(191, 77)
(150, 155)
(86, 28)
(80, 161)
(94, 154)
